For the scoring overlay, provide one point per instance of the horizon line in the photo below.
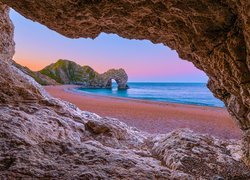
(165, 82)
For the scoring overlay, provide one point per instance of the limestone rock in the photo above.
(40, 78)
(213, 35)
(68, 72)
(7, 45)
(120, 76)
(43, 137)
(46, 138)
(199, 155)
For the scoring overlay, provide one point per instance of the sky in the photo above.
(37, 46)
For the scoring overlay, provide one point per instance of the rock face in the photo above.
(7, 45)
(68, 72)
(39, 77)
(45, 138)
(120, 76)
(213, 35)
(42, 137)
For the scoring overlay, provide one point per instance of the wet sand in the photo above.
(153, 117)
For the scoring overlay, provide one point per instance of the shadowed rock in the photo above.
(43, 137)
(46, 138)
(213, 35)
(7, 45)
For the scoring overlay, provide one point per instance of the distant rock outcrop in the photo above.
(40, 78)
(120, 76)
(68, 72)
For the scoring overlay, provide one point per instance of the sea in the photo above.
(182, 93)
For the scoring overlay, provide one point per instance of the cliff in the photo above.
(39, 77)
(68, 72)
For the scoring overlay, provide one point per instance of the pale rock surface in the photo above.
(46, 138)
(43, 137)
(213, 35)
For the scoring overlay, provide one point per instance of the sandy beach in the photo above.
(153, 117)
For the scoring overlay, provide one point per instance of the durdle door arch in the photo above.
(212, 34)
(119, 76)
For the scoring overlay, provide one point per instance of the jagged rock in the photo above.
(40, 78)
(46, 138)
(43, 137)
(120, 76)
(199, 155)
(7, 45)
(68, 72)
(213, 35)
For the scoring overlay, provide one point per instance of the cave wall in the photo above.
(213, 35)
(7, 45)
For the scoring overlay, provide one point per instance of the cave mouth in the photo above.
(214, 36)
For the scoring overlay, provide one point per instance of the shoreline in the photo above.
(152, 116)
(71, 90)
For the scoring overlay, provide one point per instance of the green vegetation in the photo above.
(91, 73)
(65, 71)
(68, 72)
(41, 79)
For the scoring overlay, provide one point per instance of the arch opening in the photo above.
(112, 83)
(119, 76)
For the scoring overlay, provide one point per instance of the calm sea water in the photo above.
(184, 93)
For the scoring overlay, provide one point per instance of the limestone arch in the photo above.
(120, 77)
(213, 35)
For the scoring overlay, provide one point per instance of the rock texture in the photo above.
(214, 35)
(45, 138)
(39, 77)
(7, 45)
(68, 72)
(42, 137)
(120, 76)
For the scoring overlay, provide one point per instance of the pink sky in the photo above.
(37, 47)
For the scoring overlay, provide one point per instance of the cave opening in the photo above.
(218, 46)
(157, 74)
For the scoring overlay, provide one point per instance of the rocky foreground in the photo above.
(46, 138)
(212, 34)
(43, 137)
